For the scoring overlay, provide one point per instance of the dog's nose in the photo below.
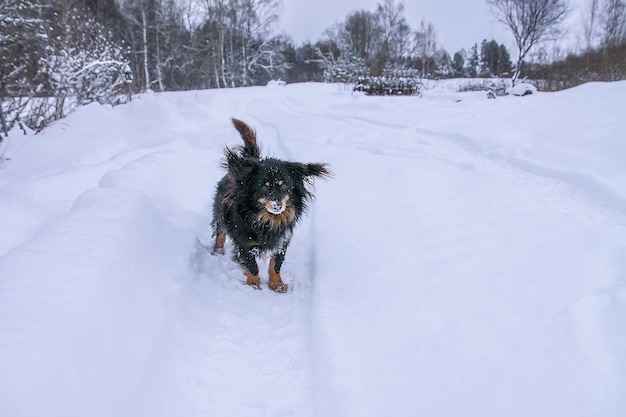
(275, 207)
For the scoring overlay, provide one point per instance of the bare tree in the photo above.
(360, 35)
(531, 22)
(613, 22)
(394, 32)
(590, 24)
(141, 27)
(254, 22)
(22, 44)
(425, 45)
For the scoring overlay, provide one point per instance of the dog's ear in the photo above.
(317, 170)
(238, 166)
(308, 172)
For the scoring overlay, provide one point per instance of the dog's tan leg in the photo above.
(220, 240)
(252, 279)
(276, 283)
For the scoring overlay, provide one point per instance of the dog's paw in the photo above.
(253, 286)
(280, 287)
(217, 251)
(276, 283)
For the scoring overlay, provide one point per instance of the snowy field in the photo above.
(467, 259)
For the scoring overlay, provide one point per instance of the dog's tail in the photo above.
(250, 148)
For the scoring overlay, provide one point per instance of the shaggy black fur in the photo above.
(258, 203)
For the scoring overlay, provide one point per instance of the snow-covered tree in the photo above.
(443, 63)
(346, 69)
(81, 64)
(22, 42)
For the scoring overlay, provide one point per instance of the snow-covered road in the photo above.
(467, 258)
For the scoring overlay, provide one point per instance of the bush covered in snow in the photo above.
(522, 89)
(276, 83)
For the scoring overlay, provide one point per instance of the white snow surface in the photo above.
(467, 259)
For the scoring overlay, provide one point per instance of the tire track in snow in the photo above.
(243, 352)
(302, 255)
(341, 118)
(573, 192)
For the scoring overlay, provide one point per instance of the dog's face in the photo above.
(275, 187)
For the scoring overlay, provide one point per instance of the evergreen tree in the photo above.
(473, 61)
(305, 64)
(346, 69)
(495, 60)
(488, 58)
(505, 66)
(458, 64)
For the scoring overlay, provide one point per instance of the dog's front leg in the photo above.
(247, 259)
(276, 283)
(218, 248)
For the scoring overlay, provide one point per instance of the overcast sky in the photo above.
(459, 23)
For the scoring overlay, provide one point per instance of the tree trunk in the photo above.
(5, 130)
(158, 51)
(145, 47)
(222, 59)
(216, 72)
(244, 60)
(518, 69)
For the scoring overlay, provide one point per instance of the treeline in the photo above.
(58, 54)
(604, 64)
(381, 42)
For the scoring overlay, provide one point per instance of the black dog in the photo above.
(258, 203)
